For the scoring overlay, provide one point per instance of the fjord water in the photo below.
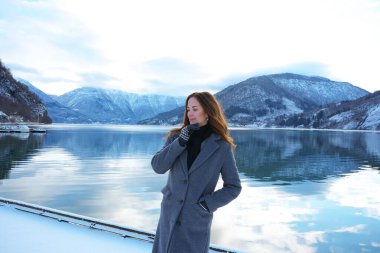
(303, 190)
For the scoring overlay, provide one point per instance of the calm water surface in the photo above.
(303, 191)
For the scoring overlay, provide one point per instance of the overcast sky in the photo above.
(176, 47)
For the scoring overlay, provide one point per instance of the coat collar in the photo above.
(208, 147)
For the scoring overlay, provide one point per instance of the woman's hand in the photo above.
(186, 132)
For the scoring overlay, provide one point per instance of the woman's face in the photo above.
(195, 112)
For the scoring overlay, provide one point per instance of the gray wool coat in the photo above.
(184, 226)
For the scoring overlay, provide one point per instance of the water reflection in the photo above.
(99, 172)
(108, 143)
(360, 190)
(344, 217)
(273, 155)
(16, 148)
(303, 191)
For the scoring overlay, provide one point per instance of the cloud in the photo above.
(302, 68)
(46, 45)
(354, 229)
(157, 86)
(169, 67)
(20, 68)
(171, 75)
(96, 78)
(187, 47)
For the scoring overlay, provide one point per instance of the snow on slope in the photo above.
(318, 89)
(373, 118)
(115, 106)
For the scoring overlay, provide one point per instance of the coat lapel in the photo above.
(208, 147)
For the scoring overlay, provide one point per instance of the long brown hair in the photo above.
(216, 118)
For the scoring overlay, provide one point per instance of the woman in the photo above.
(195, 155)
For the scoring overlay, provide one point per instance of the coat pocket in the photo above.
(202, 211)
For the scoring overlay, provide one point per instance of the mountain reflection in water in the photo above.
(303, 191)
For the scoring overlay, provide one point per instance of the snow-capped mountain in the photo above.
(308, 87)
(280, 100)
(95, 105)
(258, 100)
(57, 112)
(115, 106)
(362, 113)
(17, 103)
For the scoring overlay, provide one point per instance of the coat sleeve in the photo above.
(164, 159)
(231, 184)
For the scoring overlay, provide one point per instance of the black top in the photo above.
(195, 141)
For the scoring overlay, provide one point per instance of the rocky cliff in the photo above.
(17, 102)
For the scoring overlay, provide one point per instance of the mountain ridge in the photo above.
(257, 101)
(278, 100)
(57, 112)
(116, 106)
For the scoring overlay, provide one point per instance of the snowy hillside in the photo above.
(318, 90)
(17, 103)
(259, 100)
(280, 100)
(362, 113)
(45, 98)
(57, 112)
(144, 106)
(96, 104)
(115, 106)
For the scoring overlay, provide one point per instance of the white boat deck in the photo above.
(31, 228)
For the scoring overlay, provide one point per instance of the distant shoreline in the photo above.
(138, 127)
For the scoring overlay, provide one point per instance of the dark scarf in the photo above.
(194, 143)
